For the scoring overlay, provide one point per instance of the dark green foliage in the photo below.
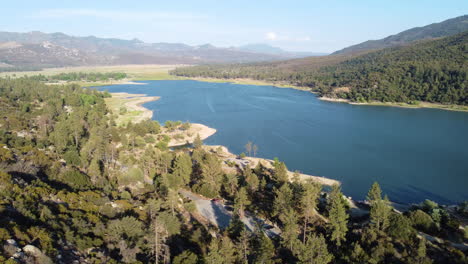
(182, 168)
(380, 208)
(315, 251)
(280, 172)
(400, 227)
(338, 216)
(186, 257)
(72, 157)
(264, 250)
(422, 221)
(76, 179)
(81, 76)
(432, 71)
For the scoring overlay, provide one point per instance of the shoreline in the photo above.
(189, 136)
(420, 105)
(245, 81)
(224, 153)
(135, 111)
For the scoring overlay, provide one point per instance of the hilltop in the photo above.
(445, 28)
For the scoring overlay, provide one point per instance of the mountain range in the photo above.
(436, 30)
(38, 49)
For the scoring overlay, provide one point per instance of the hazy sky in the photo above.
(320, 26)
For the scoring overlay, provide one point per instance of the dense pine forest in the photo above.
(74, 186)
(432, 71)
(80, 76)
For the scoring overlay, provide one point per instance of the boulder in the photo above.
(32, 250)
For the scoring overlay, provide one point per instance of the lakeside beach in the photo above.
(449, 107)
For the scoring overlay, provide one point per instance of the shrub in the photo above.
(206, 190)
(122, 110)
(186, 257)
(133, 175)
(422, 221)
(400, 227)
(72, 157)
(162, 145)
(429, 205)
(185, 126)
(125, 195)
(76, 179)
(150, 139)
(190, 206)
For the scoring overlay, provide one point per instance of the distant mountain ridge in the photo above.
(445, 28)
(58, 49)
(267, 49)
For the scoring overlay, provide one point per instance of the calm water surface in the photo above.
(413, 153)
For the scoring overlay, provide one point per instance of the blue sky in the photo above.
(320, 26)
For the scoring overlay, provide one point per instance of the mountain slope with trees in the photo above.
(431, 71)
(436, 30)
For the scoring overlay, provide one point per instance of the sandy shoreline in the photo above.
(401, 105)
(131, 82)
(247, 81)
(190, 135)
(135, 102)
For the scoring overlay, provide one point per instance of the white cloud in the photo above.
(271, 36)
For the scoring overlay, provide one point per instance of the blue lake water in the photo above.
(413, 153)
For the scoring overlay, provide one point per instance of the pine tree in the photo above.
(182, 168)
(380, 208)
(251, 179)
(212, 173)
(314, 251)
(243, 244)
(280, 172)
(197, 143)
(290, 228)
(338, 216)
(221, 251)
(241, 201)
(283, 200)
(308, 204)
(264, 250)
(248, 148)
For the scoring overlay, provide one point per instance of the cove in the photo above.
(414, 154)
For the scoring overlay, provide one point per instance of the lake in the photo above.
(414, 154)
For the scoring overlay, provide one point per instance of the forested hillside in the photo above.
(75, 187)
(432, 71)
(445, 28)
